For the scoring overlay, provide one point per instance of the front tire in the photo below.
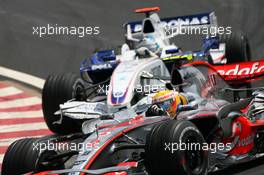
(22, 157)
(160, 160)
(237, 47)
(57, 90)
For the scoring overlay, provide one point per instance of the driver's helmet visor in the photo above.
(166, 105)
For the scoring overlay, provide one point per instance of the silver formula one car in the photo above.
(116, 78)
(127, 141)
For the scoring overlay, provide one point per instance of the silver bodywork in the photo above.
(165, 30)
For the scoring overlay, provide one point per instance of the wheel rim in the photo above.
(193, 157)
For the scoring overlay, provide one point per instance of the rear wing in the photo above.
(197, 20)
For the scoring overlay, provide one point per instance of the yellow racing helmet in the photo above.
(169, 101)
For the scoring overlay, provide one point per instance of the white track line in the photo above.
(22, 77)
(9, 91)
(23, 127)
(7, 142)
(1, 158)
(26, 114)
(20, 102)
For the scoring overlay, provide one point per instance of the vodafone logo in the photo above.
(241, 69)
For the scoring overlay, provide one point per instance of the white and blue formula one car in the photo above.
(145, 60)
(156, 34)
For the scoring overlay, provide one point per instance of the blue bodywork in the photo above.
(211, 43)
(103, 56)
(99, 67)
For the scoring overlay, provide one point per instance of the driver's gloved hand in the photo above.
(155, 110)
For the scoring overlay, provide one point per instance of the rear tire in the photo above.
(160, 160)
(237, 50)
(237, 47)
(57, 90)
(22, 157)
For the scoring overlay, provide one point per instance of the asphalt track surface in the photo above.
(20, 50)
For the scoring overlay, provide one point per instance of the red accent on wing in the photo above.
(132, 164)
(148, 9)
(241, 71)
(117, 173)
(45, 173)
(245, 143)
(238, 72)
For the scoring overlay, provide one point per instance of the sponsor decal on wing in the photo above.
(244, 70)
